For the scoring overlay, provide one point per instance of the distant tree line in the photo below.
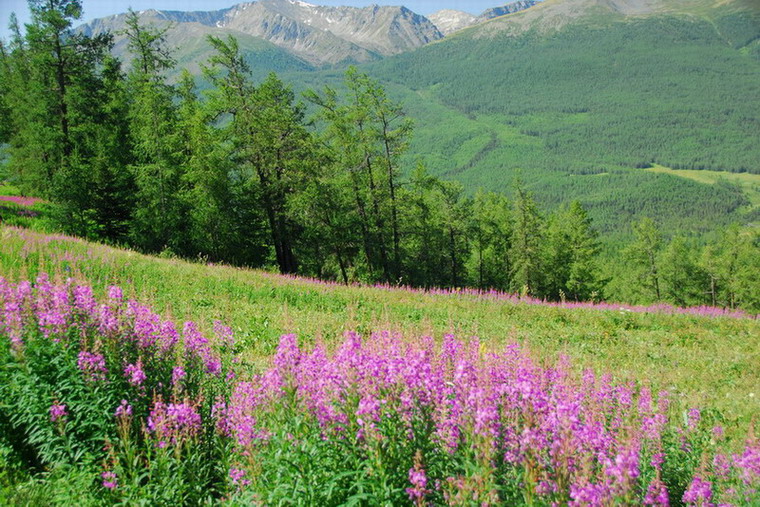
(239, 175)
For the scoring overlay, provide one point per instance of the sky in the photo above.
(101, 8)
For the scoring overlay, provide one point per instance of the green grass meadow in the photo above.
(706, 362)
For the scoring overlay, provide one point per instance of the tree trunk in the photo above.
(62, 106)
(394, 210)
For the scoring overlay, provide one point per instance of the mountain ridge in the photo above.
(318, 35)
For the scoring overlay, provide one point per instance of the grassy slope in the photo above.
(707, 362)
(749, 183)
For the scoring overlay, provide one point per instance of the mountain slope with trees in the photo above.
(241, 174)
(577, 110)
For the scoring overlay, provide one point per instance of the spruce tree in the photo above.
(682, 279)
(583, 282)
(490, 227)
(271, 143)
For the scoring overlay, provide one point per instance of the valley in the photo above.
(280, 253)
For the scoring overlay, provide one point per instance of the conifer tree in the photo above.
(682, 279)
(266, 129)
(490, 227)
(208, 195)
(61, 123)
(158, 167)
(525, 252)
(369, 133)
(643, 256)
(583, 282)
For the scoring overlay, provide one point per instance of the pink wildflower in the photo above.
(57, 411)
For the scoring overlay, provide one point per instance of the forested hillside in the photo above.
(346, 187)
(577, 110)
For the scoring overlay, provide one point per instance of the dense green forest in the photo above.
(599, 97)
(241, 174)
(578, 111)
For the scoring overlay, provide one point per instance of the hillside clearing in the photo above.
(748, 182)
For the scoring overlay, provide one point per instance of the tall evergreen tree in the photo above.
(643, 255)
(62, 119)
(572, 248)
(207, 191)
(683, 281)
(159, 158)
(266, 128)
(369, 133)
(491, 230)
(525, 252)
(435, 240)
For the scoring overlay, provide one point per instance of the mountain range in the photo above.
(317, 35)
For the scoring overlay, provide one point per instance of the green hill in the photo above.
(579, 109)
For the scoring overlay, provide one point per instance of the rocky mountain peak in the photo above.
(320, 35)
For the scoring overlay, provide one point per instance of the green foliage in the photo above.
(525, 252)
(367, 134)
(271, 147)
(158, 167)
(239, 176)
(577, 110)
(643, 254)
(65, 116)
(492, 232)
(589, 77)
(572, 250)
(682, 278)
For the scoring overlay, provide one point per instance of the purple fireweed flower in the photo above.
(195, 342)
(84, 301)
(721, 466)
(368, 409)
(224, 334)
(178, 374)
(657, 494)
(124, 409)
(418, 480)
(57, 411)
(748, 464)
(52, 307)
(135, 374)
(168, 337)
(109, 480)
(588, 495)
(546, 488)
(107, 320)
(645, 400)
(238, 477)
(238, 420)
(652, 426)
(197, 346)
(288, 354)
(693, 418)
(115, 295)
(699, 492)
(213, 365)
(92, 365)
(173, 423)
